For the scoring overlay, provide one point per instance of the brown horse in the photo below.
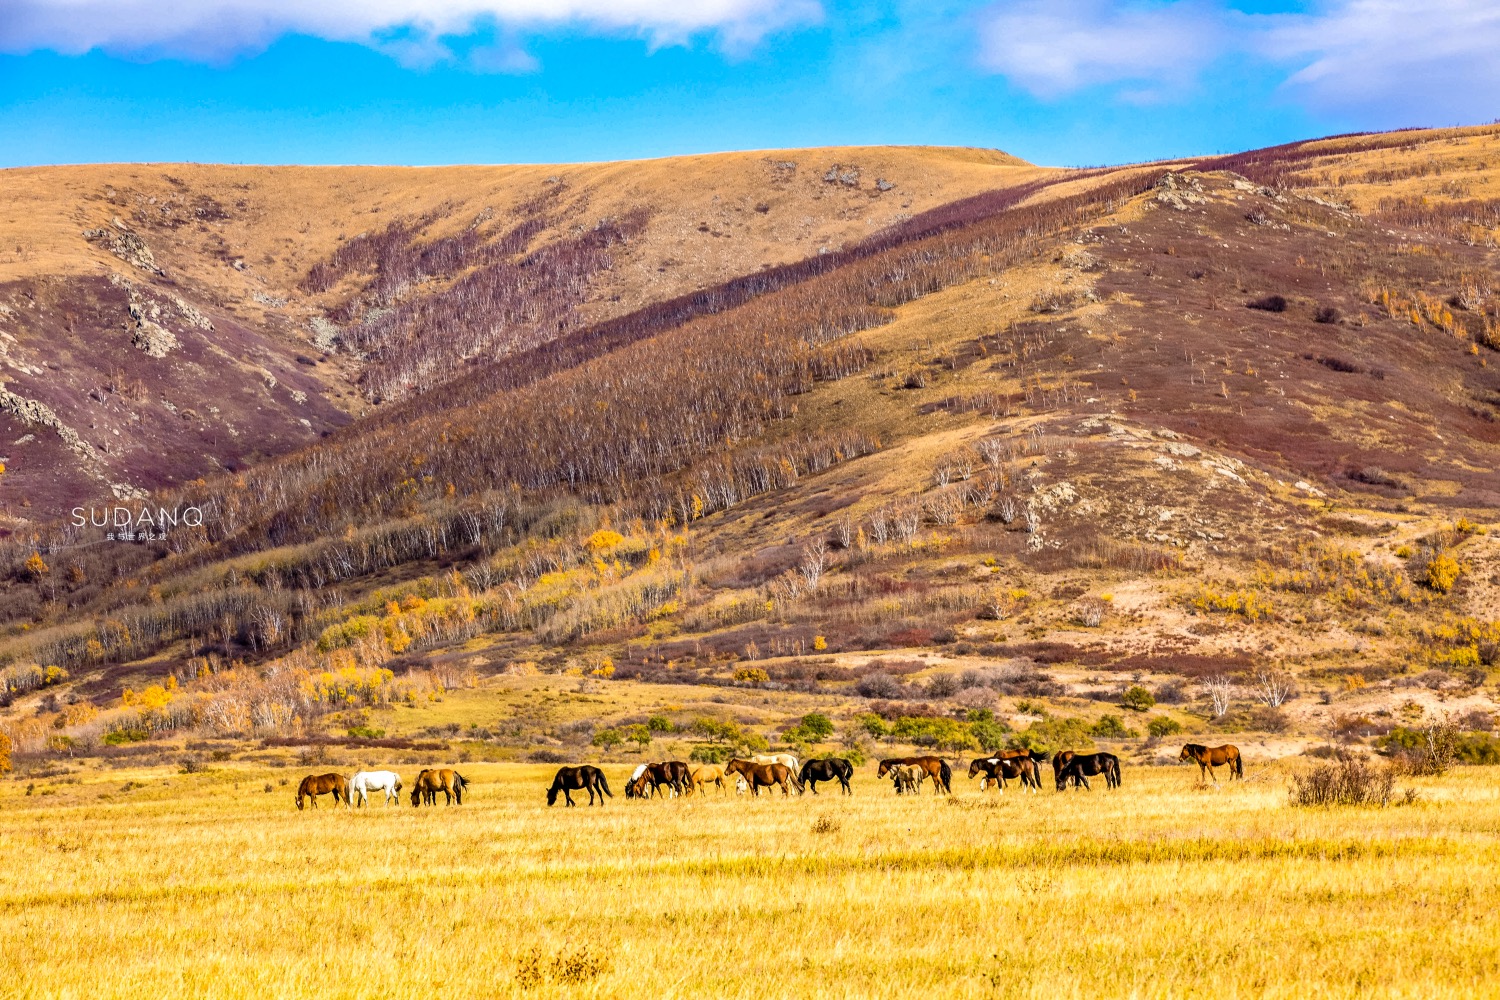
(584, 776)
(323, 784)
(432, 781)
(1209, 758)
(764, 775)
(707, 774)
(672, 773)
(998, 769)
(936, 767)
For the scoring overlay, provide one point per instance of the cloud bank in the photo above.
(413, 30)
(1382, 62)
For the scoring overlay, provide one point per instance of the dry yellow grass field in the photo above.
(157, 884)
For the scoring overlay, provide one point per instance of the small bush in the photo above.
(1428, 750)
(943, 686)
(1163, 726)
(825, 824)
(1138, 699)
(1266, 719)
(880, 685)
(1268, 303)
(1346, 780)
(1111, 727)
(1327, 314)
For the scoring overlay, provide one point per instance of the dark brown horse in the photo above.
(936, 767)
(759, 776)
(323, 784)
(1060, 763)
(570, 779)
(999, 769)
(1209, 758)
(1081, 766)
(445, 780)
(675, 774)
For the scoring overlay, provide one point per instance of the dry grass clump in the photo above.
(1347, 780)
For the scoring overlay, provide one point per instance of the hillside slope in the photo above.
(165, 322)
(1237, 418)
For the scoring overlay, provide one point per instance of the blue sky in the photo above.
(448, 81)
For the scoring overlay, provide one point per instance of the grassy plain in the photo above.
(206, 885)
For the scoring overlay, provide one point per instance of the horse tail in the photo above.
(946, 773)
(604, 785)
(459, 784)
(1239, 765)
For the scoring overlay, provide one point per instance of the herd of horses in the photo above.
(673, 778)
(358, 789)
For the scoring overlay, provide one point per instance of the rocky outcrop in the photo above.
(35, 414)
(125, 245)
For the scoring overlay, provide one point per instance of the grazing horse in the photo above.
(1060, 762)
(1080, 765)
(704, 775)
(829, 769)
(936, 767)
(323, 784)
(432, 781)
(998, 769)
(759, 776)
(365, 782)
(672, 773)
(570, 779)
(908, 778)
(1209, 758)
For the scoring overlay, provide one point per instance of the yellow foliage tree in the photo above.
(36, 567)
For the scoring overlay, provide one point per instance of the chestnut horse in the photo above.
(432, 781)
(570, 779)
(760, 776)
(936, 767)
(672, 773)
(1080, 766)
(323, 784)
(1209, 758)
(704, 775)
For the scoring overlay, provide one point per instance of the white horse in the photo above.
(789, 760)
(741, 786)
(365, 782)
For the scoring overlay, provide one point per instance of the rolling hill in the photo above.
(745, 421)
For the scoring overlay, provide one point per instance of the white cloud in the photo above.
(1055, 47)
(1393, 62)
(409, 29)
(1378, 62)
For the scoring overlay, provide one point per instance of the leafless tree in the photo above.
(843, 531)
(1274, 687)
(814, 561)
(1218, 688)
(1008, 509)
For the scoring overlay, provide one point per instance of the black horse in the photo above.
(584, 776)
(999, 769)
(828, 769)
(1079, 767)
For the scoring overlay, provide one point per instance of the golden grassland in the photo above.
(206, 885)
